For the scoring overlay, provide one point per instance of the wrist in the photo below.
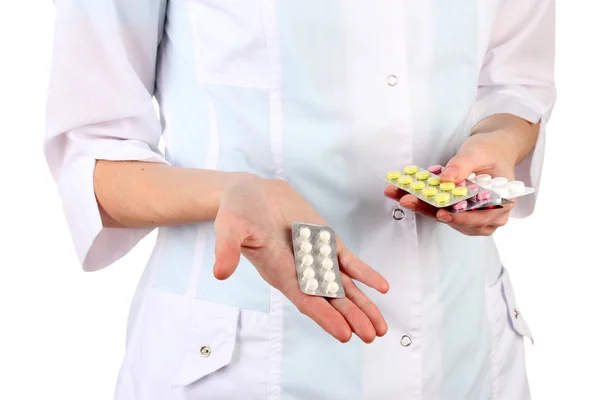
(514, 137)
(208, 189)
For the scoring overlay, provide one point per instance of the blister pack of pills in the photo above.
(500, 185)
(426, 185)
(475, 192)
(315, 255)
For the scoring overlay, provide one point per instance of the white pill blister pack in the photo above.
(315, 256)
(504, 188)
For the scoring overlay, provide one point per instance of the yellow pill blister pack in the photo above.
(426, 185)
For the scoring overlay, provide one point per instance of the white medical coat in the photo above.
(326, 95)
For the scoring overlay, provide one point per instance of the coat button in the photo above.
(205, 351)
(406, 341)
(398, 214)
(392, 80)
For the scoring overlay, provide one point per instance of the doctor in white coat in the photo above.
(274, 111)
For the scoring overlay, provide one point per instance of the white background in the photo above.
(62, 330)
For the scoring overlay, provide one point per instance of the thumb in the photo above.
(228, 243)
(459, 168)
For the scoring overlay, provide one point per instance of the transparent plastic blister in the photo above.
(503, 187)
(315, 256)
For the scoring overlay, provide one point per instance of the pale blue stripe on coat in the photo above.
(242, 117)
(187, 133)
(316, 366)
(454, 72)
(465, 334)
(174, 262)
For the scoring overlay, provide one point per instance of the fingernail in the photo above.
(445, 217)
(411, 206)
(450, 173)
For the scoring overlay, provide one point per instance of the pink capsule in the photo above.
(485, 195)
(473, 188)
(462, 205)
(462, 183)
(435, 169)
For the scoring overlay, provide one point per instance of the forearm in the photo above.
(142, 194)
(516, 135)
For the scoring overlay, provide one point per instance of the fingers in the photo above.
(356, 296)
(356, 318)
(471, 223)
(316, 308)
(339, 317)
(324, 314)
(394, 193)
(477, 222)
(357, 269)
(228, 242)
(459, 167)
(409, 201)
(412, 203)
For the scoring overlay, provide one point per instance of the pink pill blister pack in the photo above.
(475, 192)
(315, 256)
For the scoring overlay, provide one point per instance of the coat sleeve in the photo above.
(517, 77)
(100, 107)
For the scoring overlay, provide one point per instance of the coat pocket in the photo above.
(224, 353)
(208, 342)
(184, 349)
(508, 330)
(516, 319)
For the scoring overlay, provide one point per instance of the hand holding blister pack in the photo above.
(475, 192)
(315, 256)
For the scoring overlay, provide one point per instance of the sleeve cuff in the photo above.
(515, 102)
(98, 247)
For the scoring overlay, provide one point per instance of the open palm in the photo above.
(254, 220)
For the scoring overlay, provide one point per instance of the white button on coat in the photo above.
(392, 80)
(406, 341)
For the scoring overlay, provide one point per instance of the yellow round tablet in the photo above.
(433, 181)
(460, 191)
(411, 169)
(393, 175)
(417, 185)
(405, 180)
(447, 186)
(423, 175)
(442, 198)
(429, 191)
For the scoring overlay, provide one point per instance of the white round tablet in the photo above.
(329, 276)
(309, 273)
(325, 250)
(305, 247)
(499, 183)
(307, 260)
(311, 285)
(483, 179)
(333, 287)
(516, 187)
(504, 193)
(304, 233)
(472, 177)
(325, 236)
(327, 263)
